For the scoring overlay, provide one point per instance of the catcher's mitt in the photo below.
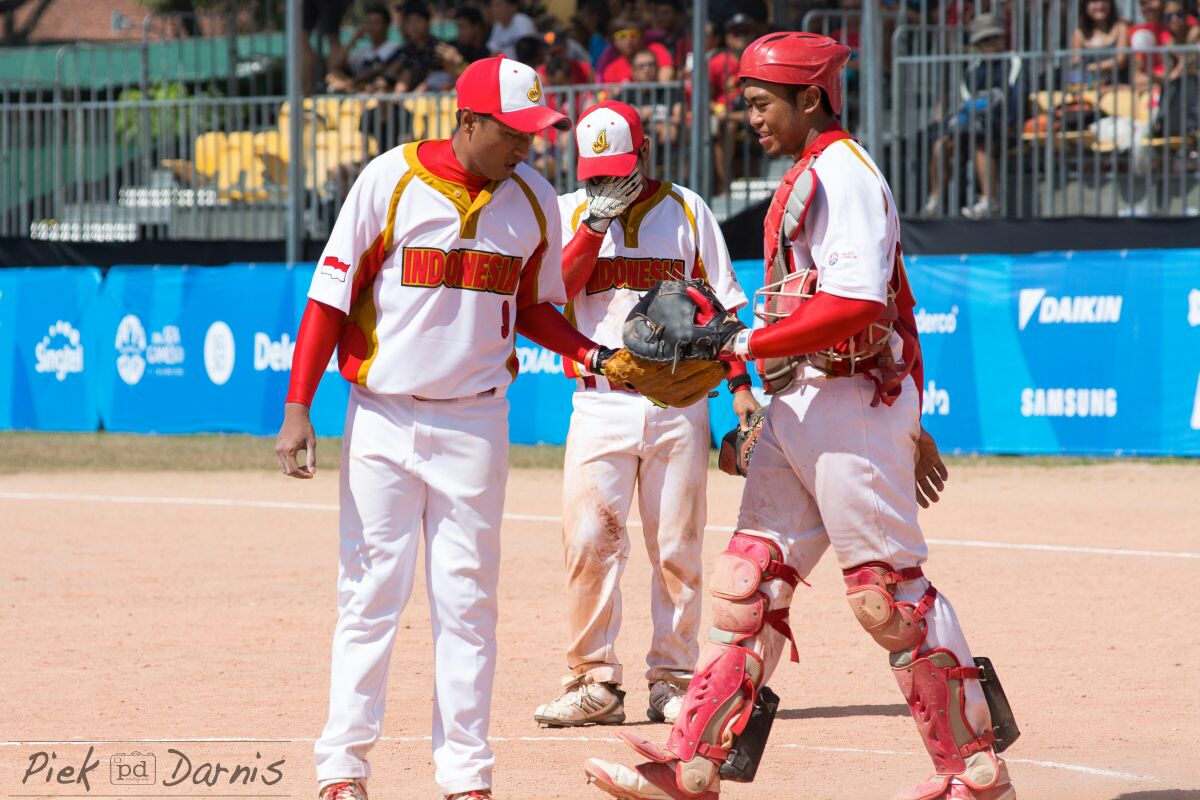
(679, 321)
(738, 446)
(681, 386)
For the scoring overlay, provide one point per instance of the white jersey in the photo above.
(670, 235)
(432, 281)
(852, 231)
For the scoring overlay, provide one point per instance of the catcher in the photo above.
(626, 232)
(832, 465)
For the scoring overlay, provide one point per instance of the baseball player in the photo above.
(625, 232)
(443, 250)
(833, 465)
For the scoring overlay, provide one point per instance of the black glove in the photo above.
(680, 320)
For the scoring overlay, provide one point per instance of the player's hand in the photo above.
(608, 198)
(295, 435)
(597, 358)
(745, 404)
(931, 473)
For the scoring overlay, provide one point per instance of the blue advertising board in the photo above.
(1085, 353)
(47, 368)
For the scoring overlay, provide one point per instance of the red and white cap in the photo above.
(608, 137)
(509, 91)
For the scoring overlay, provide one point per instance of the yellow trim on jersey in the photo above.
(364, 314)
(854, 149)
(691, 218)
(458, 195)
(533, 203)
(631, 220)
(578, 215)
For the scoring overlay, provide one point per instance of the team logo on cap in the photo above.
(601, 143)
(535, 94)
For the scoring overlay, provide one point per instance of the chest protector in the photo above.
(786, 288)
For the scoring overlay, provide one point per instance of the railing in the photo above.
(1061, 133)
(217, 168)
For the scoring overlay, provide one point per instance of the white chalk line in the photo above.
(1095, 771)
(226, 502)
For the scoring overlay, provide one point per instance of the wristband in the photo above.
(739, 383)
(741, 345)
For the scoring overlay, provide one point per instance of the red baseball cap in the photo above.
(608, 137)
(509, 91)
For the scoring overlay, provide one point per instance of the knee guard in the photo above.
(871, 591)
(932, 684)
(721, 699)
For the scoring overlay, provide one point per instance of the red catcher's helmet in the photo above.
(797, 59)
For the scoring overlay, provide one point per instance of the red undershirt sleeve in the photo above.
(579, 259)
(543, 324)
(736, 369)
(820, 323)
(315, 342)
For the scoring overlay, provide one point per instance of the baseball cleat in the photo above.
(342, 789)
(474, 794)
(947, 787)
(665, 701)
(583, 704)
(650, 781)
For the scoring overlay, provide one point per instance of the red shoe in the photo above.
(343, 789)
(983, 783)
(650, 781)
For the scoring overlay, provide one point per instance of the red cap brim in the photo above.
(534, 120)
(614, 166)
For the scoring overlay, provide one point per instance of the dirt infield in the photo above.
(141, 610)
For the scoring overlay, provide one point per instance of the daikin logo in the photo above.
(1056, 310)
(1194, 308)
(538, 361)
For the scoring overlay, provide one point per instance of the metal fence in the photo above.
(217, 168)
(1047, 134)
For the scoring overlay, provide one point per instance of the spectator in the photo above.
(468, 47)
(990, 87)
(365, 66)
(531, 51)
(728, 108)
(670, 29)
(508, 25)
(628, 37)
(659, 114)
(1101, 28)
(418, 66)
(1153, 32)
(558, 48)
(325, 18)
(1179, 108)
(590, 26)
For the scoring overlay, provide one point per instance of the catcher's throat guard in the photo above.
(1004, 724)
(742, 762)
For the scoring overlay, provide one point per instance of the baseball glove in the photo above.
(678, 321)
(681, 386)
(738, 446)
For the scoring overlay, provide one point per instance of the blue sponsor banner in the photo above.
(1085, 353)
(47, 367)
(190, 350)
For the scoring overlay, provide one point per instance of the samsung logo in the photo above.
(1068, 402)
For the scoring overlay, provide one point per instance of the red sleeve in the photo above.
(543, 324)
(662, 54)
(822, 322)
(315, 343)
(579, 259)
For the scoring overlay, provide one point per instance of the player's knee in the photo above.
(741, 609)
(871, 591)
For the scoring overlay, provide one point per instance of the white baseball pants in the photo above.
(618, 441)
(411, 466)
(830, 469)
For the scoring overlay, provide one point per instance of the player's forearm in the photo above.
(820, 323)
(737, 377)
(543, 324)
(315, 343)
(579, 259)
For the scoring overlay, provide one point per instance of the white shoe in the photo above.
(342, 789)
(649, 781)
(665, 701)
(933, 205)
(982, 209)
(583, 703)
